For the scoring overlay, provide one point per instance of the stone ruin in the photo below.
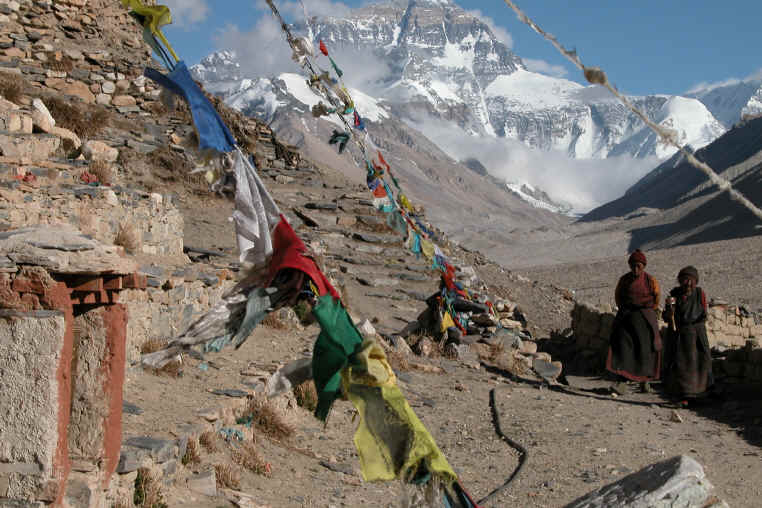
(62, 360)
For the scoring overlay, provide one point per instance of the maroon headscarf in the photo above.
(637, 257)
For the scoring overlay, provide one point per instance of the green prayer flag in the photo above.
(337, 342)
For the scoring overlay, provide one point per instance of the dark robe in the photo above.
(689, 369)
(635, 343)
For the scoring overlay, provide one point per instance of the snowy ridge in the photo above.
(537, 199)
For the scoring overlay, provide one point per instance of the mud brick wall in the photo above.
(162, 314)
(99, 212)
(726, 326)
(34, 355)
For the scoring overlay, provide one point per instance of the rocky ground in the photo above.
(576, 442)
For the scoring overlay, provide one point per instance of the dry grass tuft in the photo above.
(306, 395)
(171, 369)
(398, 361)
(128, 237)
(103, 171)
(210, 440)
(247, 456)
(11, 87)
(192, 455)
(148, 490)
(122, 503)
(63, 64)
(272, 320)
(227, 477)
(85, 121)
(267, 419)
(151, 346)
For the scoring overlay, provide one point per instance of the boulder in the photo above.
(67, 134)
(79, 89)
(99, 151)
(41, 117)
(676, 482)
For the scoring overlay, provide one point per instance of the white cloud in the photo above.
(263, 52)
(706, 86)
(320, 8)
(543, 67)
(582, 183)
(501, 33)
(187, 12)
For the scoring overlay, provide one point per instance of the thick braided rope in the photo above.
(596, 76)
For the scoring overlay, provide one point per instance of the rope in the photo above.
(524, 454)
(597, 76)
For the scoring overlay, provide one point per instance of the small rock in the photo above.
(108, 87)
(204, 483)
(124, 100)
(674, 416)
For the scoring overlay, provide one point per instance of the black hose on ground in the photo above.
(524, 454)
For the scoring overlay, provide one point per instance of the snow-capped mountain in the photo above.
(429, 63)
(447, 64)
(730, 102)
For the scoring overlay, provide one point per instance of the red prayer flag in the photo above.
(381, 159)
(323, 49)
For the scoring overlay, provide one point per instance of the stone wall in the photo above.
(730, 329)
(163, 314)
(726, 325)
(98, 212)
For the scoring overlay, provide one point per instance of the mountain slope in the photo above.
(677, 204)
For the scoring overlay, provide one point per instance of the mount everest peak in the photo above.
(423, 61)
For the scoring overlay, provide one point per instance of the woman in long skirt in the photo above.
(689, 373)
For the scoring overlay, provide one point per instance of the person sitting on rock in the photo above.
(689, 373)
(635, 343)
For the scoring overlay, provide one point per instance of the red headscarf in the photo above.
(637, 257)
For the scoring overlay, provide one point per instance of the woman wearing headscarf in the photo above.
(635, 343)
(689, 373)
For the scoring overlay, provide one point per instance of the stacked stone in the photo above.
(731, 325)
(43, 39)
(728, 326)
(166, 311)
(97, 211)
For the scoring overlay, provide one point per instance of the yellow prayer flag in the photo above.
(447, 321)
(155, 16)
(390, 439)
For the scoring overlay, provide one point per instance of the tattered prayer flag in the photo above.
(383, 161)
(338, 340)
(447, 322)
(290, 252)
(212, 131)
(256, 215)
(155, 16)
(339, 72)
(359, 123)
(428, 249)
(391, 441)
(323, 49)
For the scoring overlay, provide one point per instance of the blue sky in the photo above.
(645, 47)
